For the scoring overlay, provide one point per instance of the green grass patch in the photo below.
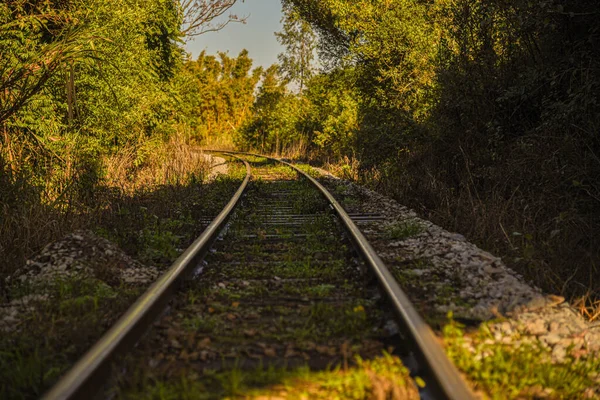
(330, 320)
(54, 333)
(383, 377)
(403, 230)
(507, 371)
(308, 170)
(200, 323)
(321, 290)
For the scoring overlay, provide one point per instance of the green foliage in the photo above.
(275, 115)
(403, 230)
(324, 118)
(114, 88)
(331, 120)
(36, 40)
(483, 114)
(218, 93)
(98, 94)
(381, 85)
(114, 60)
(299, 40)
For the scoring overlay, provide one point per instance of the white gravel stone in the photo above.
(458, 276)
(79, 255)
(218, 166)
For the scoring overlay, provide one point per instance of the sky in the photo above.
(257, 35)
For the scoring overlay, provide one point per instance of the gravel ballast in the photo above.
(442, 272)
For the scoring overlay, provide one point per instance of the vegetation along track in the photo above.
(283, 292)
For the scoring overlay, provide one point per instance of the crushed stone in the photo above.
(473, 284)
(218, 166)
(79, 255)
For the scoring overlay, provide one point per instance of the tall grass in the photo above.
(154, 163)
(536, 206)
(44, 197)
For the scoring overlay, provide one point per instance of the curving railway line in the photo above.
(281, 278)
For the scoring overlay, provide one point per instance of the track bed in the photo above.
(282, 289)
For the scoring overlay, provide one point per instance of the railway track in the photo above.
(290, 284)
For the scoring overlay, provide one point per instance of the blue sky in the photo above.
(257, 35)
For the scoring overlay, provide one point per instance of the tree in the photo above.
(275, 116)
(36, 42)
(219, 94)
(198, 16)
(331, 121)
(300, 42)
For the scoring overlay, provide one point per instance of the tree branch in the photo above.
(198, 16)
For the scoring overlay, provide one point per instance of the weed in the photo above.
(383, 376)
(505, 371)
(403, 230)
(350, 202)
(329, 320)
(200, 324)
(28, 369)
(308, 170)
(28, 365)
(158, 245)
(321, 290)
(184, 389)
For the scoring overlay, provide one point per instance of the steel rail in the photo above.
(447, 378)
(91, 371)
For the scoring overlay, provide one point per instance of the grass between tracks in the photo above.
(153, 221)
(381, 378)
(271, 316)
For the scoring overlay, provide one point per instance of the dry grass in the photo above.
(588, 307)
(220, 142)
(295, 151)
(153, 164)
(35, 209)
(43, 196)
(348, 168)
(538, 210)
